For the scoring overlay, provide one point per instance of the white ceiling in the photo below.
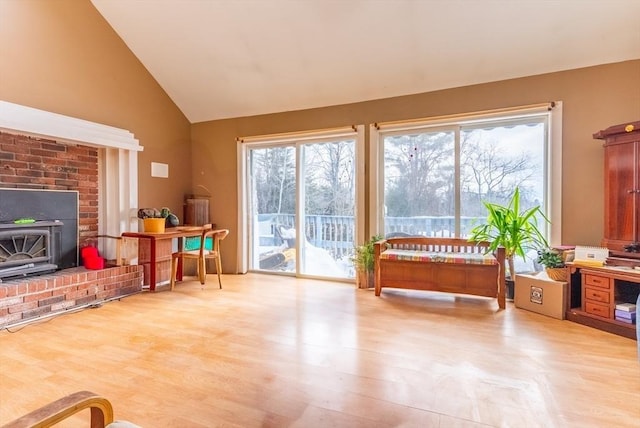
(230, 58)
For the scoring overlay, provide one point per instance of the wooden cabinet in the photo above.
(602, 288)
(597, 295)
(622, 187)
(594, 293)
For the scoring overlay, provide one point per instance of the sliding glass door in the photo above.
(301, 196)
(272, 202)
(436, 178)
(328, 208)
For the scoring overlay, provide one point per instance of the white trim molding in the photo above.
(117, 160)
(64, 129)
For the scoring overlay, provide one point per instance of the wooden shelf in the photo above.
(608, 325)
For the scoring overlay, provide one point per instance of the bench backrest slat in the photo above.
(444, 245)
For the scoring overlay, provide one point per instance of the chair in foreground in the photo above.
(209, 249)
(61, 409)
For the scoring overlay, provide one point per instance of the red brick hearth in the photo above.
(33, 297)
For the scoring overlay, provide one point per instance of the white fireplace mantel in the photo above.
(117, 158)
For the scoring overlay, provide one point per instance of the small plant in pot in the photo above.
(170, 219)
(364, 260)
(553, 262)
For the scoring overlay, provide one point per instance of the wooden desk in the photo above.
(154, 252)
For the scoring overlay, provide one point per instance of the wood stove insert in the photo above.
(29, 249)
(49, 242)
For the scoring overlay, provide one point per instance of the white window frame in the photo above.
(553, 154)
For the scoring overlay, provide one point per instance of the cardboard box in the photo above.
(538, 293)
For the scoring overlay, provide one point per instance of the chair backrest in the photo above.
(210, 239)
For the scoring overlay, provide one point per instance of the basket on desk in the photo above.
(557, 274)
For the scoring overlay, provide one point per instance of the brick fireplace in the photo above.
(48, 151)
(33, 163)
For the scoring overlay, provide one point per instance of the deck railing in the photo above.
(336, 234)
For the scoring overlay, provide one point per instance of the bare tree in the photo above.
(420, 180)
(418, 174)
(329, 178)
(488, 172)
(333, 182)
(274, 179)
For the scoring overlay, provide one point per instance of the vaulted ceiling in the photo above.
(230, 58)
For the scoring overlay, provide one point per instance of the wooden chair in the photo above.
(56, 411)
(209, 249)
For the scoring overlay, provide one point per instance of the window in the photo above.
(433, 175)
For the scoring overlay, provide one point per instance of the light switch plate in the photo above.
(159, 170)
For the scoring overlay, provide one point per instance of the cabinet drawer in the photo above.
(597, 309)
(599, 295)
(597, 281)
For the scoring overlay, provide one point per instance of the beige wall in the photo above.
(593, 98)
(62, 56)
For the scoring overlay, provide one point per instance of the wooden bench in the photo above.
(448, 265)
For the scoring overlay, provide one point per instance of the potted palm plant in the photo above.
(364, 260)
(509, 227)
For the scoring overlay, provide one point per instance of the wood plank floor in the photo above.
(268, 351)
